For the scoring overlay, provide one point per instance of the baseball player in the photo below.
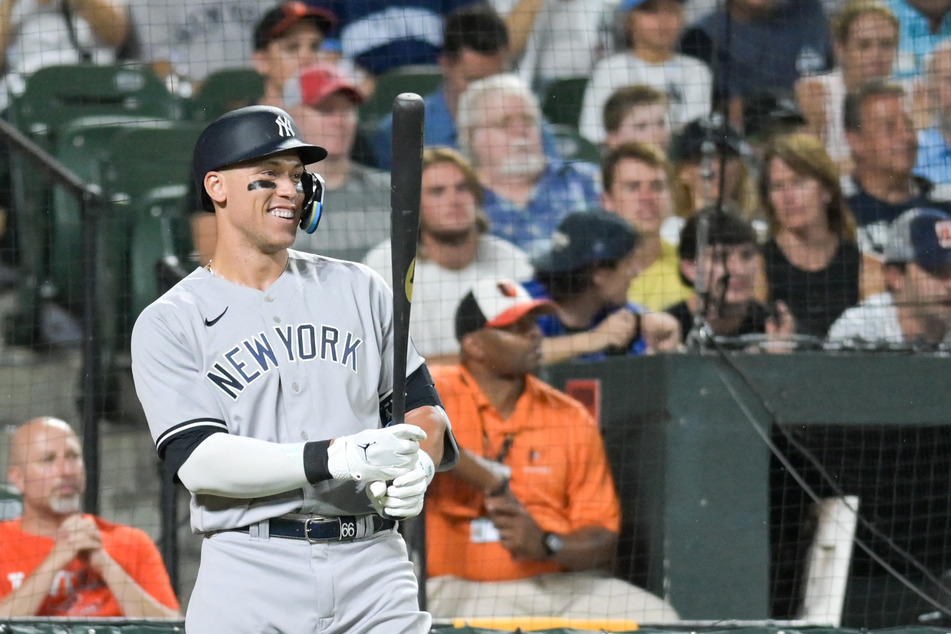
(266, 377)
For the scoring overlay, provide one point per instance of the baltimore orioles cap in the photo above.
(495, 304)
(247, 133)
(279, 19)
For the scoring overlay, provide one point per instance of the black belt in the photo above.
(326, 529)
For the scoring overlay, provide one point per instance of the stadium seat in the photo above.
(561, 101)
(53, 97)
(83, 146)
(146, 181)
(225, 90)
(420, 79)
(574, 147)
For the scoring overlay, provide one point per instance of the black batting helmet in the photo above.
(243, 134)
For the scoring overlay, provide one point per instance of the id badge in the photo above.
(483, 531)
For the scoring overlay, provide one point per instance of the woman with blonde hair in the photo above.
(812, 260)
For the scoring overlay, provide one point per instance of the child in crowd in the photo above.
(637, 113)
(654, 28)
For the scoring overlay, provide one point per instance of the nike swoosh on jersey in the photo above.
(212, 322)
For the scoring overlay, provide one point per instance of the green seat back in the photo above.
(225, 90)
(83, 146)
(55, 95)
(421, 79)
(561, 101)
(147, 183)
(574, 147)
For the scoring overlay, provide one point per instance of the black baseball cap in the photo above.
(279, 19)
(767, 108)
(247, 133)
(586, 237)
(687, 145)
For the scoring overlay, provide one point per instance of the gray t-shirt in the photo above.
(356, 216)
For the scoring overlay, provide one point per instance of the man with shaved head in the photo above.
(58, 561)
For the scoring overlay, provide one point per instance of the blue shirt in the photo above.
(563, 188)
(874, 217)
(439, 128)
(552, 327)
(382, 34)
(915, 39)
(934, 156)
(793, 40)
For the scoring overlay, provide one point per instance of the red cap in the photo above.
(316, 83)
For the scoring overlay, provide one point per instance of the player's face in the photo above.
(886, 141)
(49, 469)
(332, 124)
(263, 202)
(507, 139)
(284, 57)
(646, 124)
(447, 204)
(515, 350)
(799, 200)
(639, 194)
(869, 52)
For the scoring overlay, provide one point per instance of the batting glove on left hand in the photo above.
(404, 497)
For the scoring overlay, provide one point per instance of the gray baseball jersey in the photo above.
(310, 358)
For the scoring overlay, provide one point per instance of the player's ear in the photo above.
(215, 187)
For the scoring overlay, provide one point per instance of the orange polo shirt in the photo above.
(77, 589)
(559, 472)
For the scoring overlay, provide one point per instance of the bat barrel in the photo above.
(405, 193)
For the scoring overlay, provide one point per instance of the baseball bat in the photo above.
(405, 191)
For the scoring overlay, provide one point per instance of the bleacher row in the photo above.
(120, 129)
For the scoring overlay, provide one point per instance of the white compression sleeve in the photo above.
(240, 467)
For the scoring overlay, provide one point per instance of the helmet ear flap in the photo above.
(313, 185)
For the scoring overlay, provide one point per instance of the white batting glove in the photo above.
(375, 454)
(404, 497)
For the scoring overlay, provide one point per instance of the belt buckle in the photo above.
(346, 529)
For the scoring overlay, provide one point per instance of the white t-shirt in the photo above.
(41, 38)
(437, 291)
(568, 37)
(198, 36)
(686, 80)
(874, 320)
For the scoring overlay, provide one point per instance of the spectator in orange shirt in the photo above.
(527, 523)
(57, 561)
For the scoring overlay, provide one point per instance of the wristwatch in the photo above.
(552, 543)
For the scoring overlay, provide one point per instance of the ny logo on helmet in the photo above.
(284, 127)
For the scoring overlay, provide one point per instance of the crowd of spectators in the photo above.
(709, 218)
